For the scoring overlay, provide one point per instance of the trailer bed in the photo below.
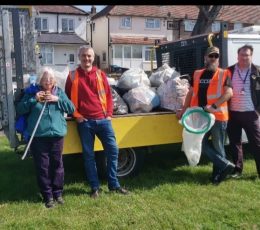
(133, 130)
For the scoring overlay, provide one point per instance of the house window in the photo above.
(41, 24)
(104, 57)
(238, 25)
(71, 58)
(152, 23)
(118, 52)
(147, 54)
(126, 22)
(172, 25)
(67, 25)
(47, 54)
(127, 51)
(189, 25)
(215, 27)
(137, 51)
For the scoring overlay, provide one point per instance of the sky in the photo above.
(87, 8)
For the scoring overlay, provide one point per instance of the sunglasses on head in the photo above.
(213, 56)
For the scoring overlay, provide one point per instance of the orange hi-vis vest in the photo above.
(214, 92)
(74, 76)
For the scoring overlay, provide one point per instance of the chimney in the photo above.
(93, 10)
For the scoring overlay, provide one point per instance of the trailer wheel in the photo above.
(129, 162)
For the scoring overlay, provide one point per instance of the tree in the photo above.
(207, 15)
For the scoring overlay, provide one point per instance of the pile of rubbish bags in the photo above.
(163, 89)
(135, 92)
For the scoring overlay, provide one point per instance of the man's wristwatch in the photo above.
(214, 106)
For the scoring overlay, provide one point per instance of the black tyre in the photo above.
(130, 162)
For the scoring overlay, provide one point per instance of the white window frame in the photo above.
(215, 27)
(189, 25)
(41, 23)
(68, 20)
(125, 47)
(148, 49)
(114, 51)
(43, 52)
(140, 48)
(124, 21)
(154, 24)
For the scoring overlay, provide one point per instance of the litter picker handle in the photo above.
(34, 130)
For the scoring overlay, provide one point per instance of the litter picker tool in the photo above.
(34, 130)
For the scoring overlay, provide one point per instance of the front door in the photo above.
(71, 61)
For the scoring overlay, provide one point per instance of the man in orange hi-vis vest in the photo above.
(211, 89)
(88, 89)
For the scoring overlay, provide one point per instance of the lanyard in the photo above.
(244, 80)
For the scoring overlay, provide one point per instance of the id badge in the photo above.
(242, 92)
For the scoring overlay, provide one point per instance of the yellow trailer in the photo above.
(132, 131)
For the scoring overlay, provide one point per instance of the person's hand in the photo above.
(51, 98)
(180, 112)
(109, 118)
(80, 119)
(209, 109)
(40, 96)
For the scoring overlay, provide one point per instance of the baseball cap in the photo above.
(211, 50)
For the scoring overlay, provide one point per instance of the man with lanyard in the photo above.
(244, 108)
(211, 89)
(88, 89)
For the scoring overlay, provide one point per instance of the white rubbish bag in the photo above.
(173, 92)
(133, 78)
(161, 75)
(196, 123)
(141, 99)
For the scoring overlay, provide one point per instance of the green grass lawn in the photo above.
(167, 194)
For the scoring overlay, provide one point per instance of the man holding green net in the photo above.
(211, 89)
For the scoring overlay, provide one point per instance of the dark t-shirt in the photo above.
(204, 84)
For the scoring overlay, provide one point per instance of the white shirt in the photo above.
(241, 100)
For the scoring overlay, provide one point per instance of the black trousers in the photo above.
(47, 155)
(249, 121)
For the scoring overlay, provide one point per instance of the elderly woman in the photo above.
(47, 144)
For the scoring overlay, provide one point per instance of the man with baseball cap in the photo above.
(211, 89)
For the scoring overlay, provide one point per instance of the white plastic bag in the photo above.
(141, 99)
(196, 123)
(161, 75)
(133, 78)
(61, 77)
(172, 93)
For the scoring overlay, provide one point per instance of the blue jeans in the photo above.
(215, 151)
(104, 131)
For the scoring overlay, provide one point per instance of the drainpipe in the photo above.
(91, 23)
(180, 28)
(108, 42)
(57, 23)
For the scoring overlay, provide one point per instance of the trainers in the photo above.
(95, 193)
(119, 190)
(216, 179)
(236, 175)
(49, 203)
(227, 170)
(60, 200)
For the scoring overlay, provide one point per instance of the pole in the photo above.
(34, 130)
(151, 57)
